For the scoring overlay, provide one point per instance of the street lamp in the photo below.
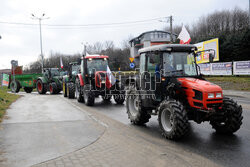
(41, 45)
(170, 20)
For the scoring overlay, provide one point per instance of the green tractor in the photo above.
(51, 80)
(69, 80)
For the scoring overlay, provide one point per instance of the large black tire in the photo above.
(119, 95)
(41, 87)
(15, 86)
(136, 113)
(65, 90)
(78, 91)
(71, 90)
(53, 88)
(233, 118)
(28, 89)
(89, 95)
(106, 98)
(173, 119)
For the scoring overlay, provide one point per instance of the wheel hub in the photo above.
(167, 120)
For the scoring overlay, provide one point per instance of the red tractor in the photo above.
(170, 85)
(96, 79)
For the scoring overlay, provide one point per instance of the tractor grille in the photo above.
(198, 95)
(198, 104)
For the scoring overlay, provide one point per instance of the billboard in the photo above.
(241, 67)
(5, 80)
(210, 44)
(205, 69)
(221, 68)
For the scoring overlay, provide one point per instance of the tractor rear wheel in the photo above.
(78, 91)
(28, 89)
(41, 87)
(89, 95)
(15, 86)
(136, 113)
(53, 88)
(173, 119)
(233, 118)
(71, 90)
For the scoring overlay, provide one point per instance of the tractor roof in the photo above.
(169, 47)
(73, 63)
(96, 56)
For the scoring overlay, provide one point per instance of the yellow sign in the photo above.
(210, 44)
(131, 59)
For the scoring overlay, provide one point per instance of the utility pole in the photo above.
(171, 28)
(169, 20)
(40, 29)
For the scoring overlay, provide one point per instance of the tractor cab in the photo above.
(96, 63)
(51, 72)
(172, 72)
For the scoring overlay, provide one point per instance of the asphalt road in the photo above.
(232, 150)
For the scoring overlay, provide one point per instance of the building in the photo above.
(150, 38)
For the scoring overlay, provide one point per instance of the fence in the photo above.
(226, 68)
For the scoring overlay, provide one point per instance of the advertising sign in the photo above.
(205, 69)
(241, 68)
(210, 44)
(221, 68)
(5, 81)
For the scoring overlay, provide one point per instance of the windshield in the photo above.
(75, 69)
(97, 64)
(179, 64)
(55, 72)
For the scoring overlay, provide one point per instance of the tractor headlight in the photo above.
(210, 95)
(218, 95)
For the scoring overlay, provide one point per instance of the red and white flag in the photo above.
(61, 62)
(184, 36)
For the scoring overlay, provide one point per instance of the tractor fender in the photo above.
(42, 79)
(81, 79)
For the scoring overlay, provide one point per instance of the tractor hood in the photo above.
(201, 85)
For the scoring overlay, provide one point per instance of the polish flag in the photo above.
(184, 36)
(111, 79)
(61, 62)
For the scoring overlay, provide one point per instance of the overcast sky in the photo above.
(21, 42)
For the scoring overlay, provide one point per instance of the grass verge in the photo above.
(231, 82)
(5, 100)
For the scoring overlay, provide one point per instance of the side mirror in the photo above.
(211, 57)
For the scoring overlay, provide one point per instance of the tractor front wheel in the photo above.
(53, 88)
(28, 89)
(41, 87)
(78, 91)
(173, 119)
(119, 95)
(232, 120)
(106, 98)
(89, 95)
(136, 113)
